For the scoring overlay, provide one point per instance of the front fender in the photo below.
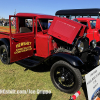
(71, 59)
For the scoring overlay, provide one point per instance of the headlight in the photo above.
(81, 46)
(93, 43)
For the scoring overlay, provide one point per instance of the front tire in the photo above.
(65, 77)
(4, 54)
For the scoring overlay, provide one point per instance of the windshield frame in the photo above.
(46, 22)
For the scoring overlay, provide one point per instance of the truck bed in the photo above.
(4, 29)
(5, 33)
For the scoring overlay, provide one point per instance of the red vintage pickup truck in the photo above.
(63, 45)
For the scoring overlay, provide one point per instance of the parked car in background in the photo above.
(88, 17)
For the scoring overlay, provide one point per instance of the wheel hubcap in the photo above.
(64, 77)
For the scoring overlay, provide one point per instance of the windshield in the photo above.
(93, 23)
(45, 23)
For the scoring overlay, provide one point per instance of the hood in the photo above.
(66, 29)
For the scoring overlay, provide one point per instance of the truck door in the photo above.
(22, 38)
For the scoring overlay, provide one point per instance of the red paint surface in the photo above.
(64, 29)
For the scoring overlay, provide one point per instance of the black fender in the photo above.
(71, 59)
(5, 42)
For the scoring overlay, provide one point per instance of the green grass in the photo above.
(12, 27)
(5, 26)
(15, 77)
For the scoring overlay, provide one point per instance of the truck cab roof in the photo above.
(34, 15)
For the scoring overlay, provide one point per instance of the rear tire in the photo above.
(4, 55)
(65, 77)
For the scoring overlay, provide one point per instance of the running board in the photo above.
(28, 62)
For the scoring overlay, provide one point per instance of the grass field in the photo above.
(16, 77)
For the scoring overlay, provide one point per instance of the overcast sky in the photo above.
(7, 7)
